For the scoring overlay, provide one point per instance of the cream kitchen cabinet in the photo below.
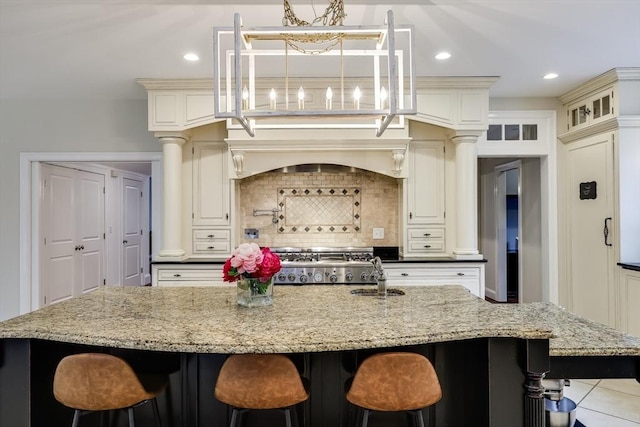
(591, 109)
(599, 195)
(425, 240)
(425, 200)
(210, 200)
(426, 185)
(211, 241)
(185, 274)
(469, 275)
(629, 297)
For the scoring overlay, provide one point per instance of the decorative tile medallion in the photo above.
(319, 210)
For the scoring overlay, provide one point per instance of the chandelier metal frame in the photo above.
(234, 92)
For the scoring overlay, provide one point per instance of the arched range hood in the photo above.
(313, 150)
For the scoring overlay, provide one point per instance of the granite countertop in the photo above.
(305, 319)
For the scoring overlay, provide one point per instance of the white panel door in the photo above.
(590, 168)
(90, 230)
(58, 234)
(132, 232)
(72, 233)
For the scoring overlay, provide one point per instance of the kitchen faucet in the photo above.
(381, 278)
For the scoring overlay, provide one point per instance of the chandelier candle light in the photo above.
(252, 268)
(375, 63)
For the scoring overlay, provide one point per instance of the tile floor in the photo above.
(606, 402)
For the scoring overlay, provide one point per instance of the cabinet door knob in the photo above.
(177, 275)
(427, 246)
(211, 236)
(124, 242)
(427, 234)
(410, 215)
(211, 247)
(404, 274)
(460, 274)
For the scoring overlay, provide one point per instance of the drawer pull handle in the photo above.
(211, 236)
(404, 274)
(427, 234)
(427, 246)
(211, 247)
(460, 274)
(177, 275)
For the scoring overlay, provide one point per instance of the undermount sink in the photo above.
(374, 292)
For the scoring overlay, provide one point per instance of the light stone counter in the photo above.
(305, 319)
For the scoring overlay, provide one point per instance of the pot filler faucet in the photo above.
(381, 278)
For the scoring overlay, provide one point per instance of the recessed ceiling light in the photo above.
(550, 76)
(443, 55)
(191, 57)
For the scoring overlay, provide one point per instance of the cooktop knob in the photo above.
(303, 278)
(318, 276)
(333, 278)
(282, 277)
(348, 277)
(291, 277)
(364, 276)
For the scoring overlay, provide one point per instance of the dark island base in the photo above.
(483, 384)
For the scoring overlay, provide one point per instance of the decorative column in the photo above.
(172, 204)
(466, 245)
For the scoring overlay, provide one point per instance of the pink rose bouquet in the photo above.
(248, 261)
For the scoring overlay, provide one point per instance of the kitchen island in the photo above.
(484, 354)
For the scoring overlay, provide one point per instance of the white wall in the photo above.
(56, 126)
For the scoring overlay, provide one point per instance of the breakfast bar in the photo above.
(490, 358)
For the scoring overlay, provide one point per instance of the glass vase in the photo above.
(254, 293)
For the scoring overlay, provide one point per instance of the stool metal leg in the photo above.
(365, 418)
(287, 416)
(76, 418)
(156, 412)
(132, 421)
(234, 417)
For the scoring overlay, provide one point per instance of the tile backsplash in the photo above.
(319, 208)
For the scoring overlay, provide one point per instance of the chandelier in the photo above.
(304, 75)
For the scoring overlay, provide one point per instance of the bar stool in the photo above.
(396, 381)
(260, 381)
(91, 382)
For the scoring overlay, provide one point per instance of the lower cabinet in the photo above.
(183, 274)
(469, 275)
(629, 297)
(211, 241)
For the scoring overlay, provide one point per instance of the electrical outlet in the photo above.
(378, 233)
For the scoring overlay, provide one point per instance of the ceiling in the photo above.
(96, 49)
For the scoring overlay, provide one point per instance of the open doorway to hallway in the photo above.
(118, 192)
(510, 228)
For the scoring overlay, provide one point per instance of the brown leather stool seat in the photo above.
(260, 381)
(396, 381)
(89, 382)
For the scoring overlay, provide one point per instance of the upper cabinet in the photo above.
(591, 110)
(425, 198)
(210, 184)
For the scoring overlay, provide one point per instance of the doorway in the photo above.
(31, 295)
(508, 227)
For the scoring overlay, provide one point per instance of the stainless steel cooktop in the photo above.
(320, 265)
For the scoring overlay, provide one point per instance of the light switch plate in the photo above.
(378, 233)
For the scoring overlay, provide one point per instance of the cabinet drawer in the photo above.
(190, 275)
(211, 235)
(426, 233)
(430, 274)
(212, 247)
(426, 246)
